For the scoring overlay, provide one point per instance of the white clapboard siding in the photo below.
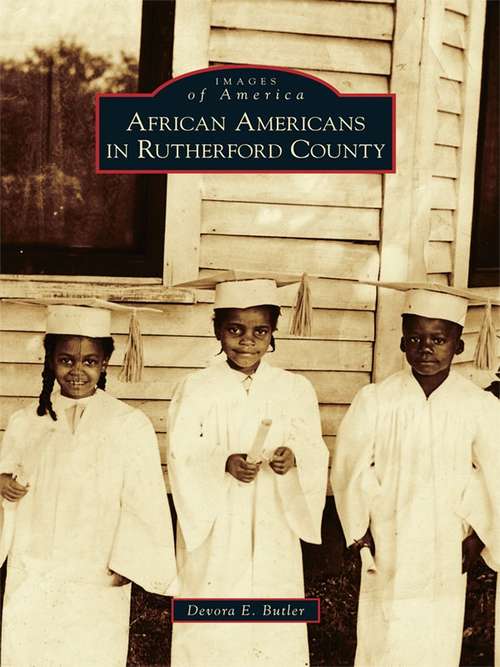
(346, 82)
(459, 6)
(194, 351)
(25, 379)
(349, 82)
(304, 51)
(475, 316)
(322, 17)
(338, 294)
(448, 129)
(331, 259)
(290, 220)
(467, 355)
(480, 377)
(452, 63)
(449, 96)
(443, 194)
(444, 161)
(156, 410)
(338, 387)
(439, 259)
(454, 29)
(159, 383)
(440, 278)
(334, 324)
(359, 190)
(331, 415)
(189, 321)
(441, 225)
(326, 293)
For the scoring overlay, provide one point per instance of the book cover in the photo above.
(69, 231)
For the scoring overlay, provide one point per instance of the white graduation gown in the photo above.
(96, 501)
(236, 539)
(420, 472)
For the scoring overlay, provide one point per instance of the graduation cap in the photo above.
(450, 303)
(245, 289)
(92, 318)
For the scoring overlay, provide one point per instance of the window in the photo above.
(485, 246)
(58, 216)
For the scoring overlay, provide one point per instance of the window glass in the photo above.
(58, 215)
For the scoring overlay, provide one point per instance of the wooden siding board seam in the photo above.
(182, 236)
(459, 6)
(306, 51)
(358, 190)
(398, 188)
(331, 386)
(471, 99)
(339, 19)
(428, 127)
(191, 35)
(139, 294)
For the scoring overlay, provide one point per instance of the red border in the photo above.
(245, 171)
(172, 617)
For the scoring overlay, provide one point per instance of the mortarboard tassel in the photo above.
(485, 354)
(133, 360)
(301, 322)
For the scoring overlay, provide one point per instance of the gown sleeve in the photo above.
(353, 479)
(480, 503)
(143, 548)
(303, 489)
(13, 443)
(11, 460)
(196, 461)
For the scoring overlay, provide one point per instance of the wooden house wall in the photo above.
(458, 28)
(326, 224)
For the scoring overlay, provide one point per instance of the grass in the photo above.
(333, 576)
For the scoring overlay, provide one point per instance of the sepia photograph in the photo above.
(250, 416)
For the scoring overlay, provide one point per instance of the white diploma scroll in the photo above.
(367, 561)
(255, 453)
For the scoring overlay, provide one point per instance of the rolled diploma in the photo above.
(9, 518)
(367, 562)
(255, 453)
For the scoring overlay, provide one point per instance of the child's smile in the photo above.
(245, 336)
(77, 364)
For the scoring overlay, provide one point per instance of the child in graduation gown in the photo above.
(240, 523)
(415, 477)
(85, 508)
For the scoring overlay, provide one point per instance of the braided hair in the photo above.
(48, 376)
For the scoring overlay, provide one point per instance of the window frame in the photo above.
(146, 259)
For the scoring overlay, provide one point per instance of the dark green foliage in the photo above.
(50, 193)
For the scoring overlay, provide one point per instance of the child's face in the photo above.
(430, 344)
(245, 335)
(77, 364)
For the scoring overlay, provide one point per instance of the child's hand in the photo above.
(241, 469)
(471, 550)
(10, 489)
(365, 541)
(118, 579)
(282, 461)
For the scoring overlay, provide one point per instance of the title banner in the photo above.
(245, 119)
